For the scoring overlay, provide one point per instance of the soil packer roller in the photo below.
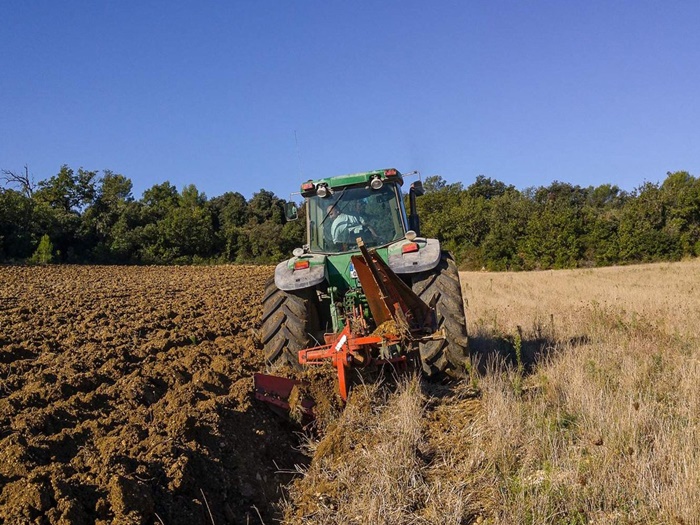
(365, 290)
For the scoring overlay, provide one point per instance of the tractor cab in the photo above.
(336, 222)
(343, 209)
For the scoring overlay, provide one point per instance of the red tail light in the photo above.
(390, 173)
(409, 248)
(301, 265)
(307, 186)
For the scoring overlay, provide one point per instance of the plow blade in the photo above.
(283, 395)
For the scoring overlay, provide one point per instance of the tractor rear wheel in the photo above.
(441, 285)
(288, 320)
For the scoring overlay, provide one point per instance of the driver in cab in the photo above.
(348, 224)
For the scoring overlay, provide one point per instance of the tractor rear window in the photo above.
(335, 222)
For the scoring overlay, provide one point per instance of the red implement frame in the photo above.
(346, 351)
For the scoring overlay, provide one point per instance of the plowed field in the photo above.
(126, 397)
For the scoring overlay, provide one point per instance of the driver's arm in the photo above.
(366, 225)
(337, 229)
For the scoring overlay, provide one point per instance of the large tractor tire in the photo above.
(441, 286)
(289, 319)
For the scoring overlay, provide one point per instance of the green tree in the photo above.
(157, 203)
(435, 183)
(262, 242)
(44, 252)
(507, 220)
(159, 200)
(17, 238)
(125, 235)
(60, 201)
(464, 227)
(643, 237)
(601, 214)
(188, 228)
(112, 198)
(435, 207)
(229, 214)
(265, 206)
(487, 188)
(68, 191)
(555, 228)
(680, 193)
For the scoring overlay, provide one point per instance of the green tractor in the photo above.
(317, 292)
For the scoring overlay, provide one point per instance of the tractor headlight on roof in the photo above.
(376, 183)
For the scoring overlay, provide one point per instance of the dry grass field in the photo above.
(583, 407)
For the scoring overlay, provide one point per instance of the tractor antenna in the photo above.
(296, 141)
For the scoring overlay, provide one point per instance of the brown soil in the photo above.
(389, 328)
(126, 397)
(321, 385)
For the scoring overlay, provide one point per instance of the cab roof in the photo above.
(390, 175)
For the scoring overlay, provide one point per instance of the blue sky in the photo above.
(244, 95)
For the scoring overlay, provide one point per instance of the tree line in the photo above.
(495, 226)
(82, 216)
(90, 217)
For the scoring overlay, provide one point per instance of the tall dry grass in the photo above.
(605, 428)
(589, 412)
(380, 463)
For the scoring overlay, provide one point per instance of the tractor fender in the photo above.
(426, 257)
(289, 276)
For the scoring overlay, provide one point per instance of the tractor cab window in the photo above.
(335, 222)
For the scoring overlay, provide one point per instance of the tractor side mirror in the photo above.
(290, 211)
(417, 188)
(416, 191)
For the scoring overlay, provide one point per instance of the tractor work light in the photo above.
(376, 183)
(410, 235)
(322, 191)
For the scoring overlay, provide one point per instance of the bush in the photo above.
(44, 252)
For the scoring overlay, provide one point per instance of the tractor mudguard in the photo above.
(296, 274)
(425, 258)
